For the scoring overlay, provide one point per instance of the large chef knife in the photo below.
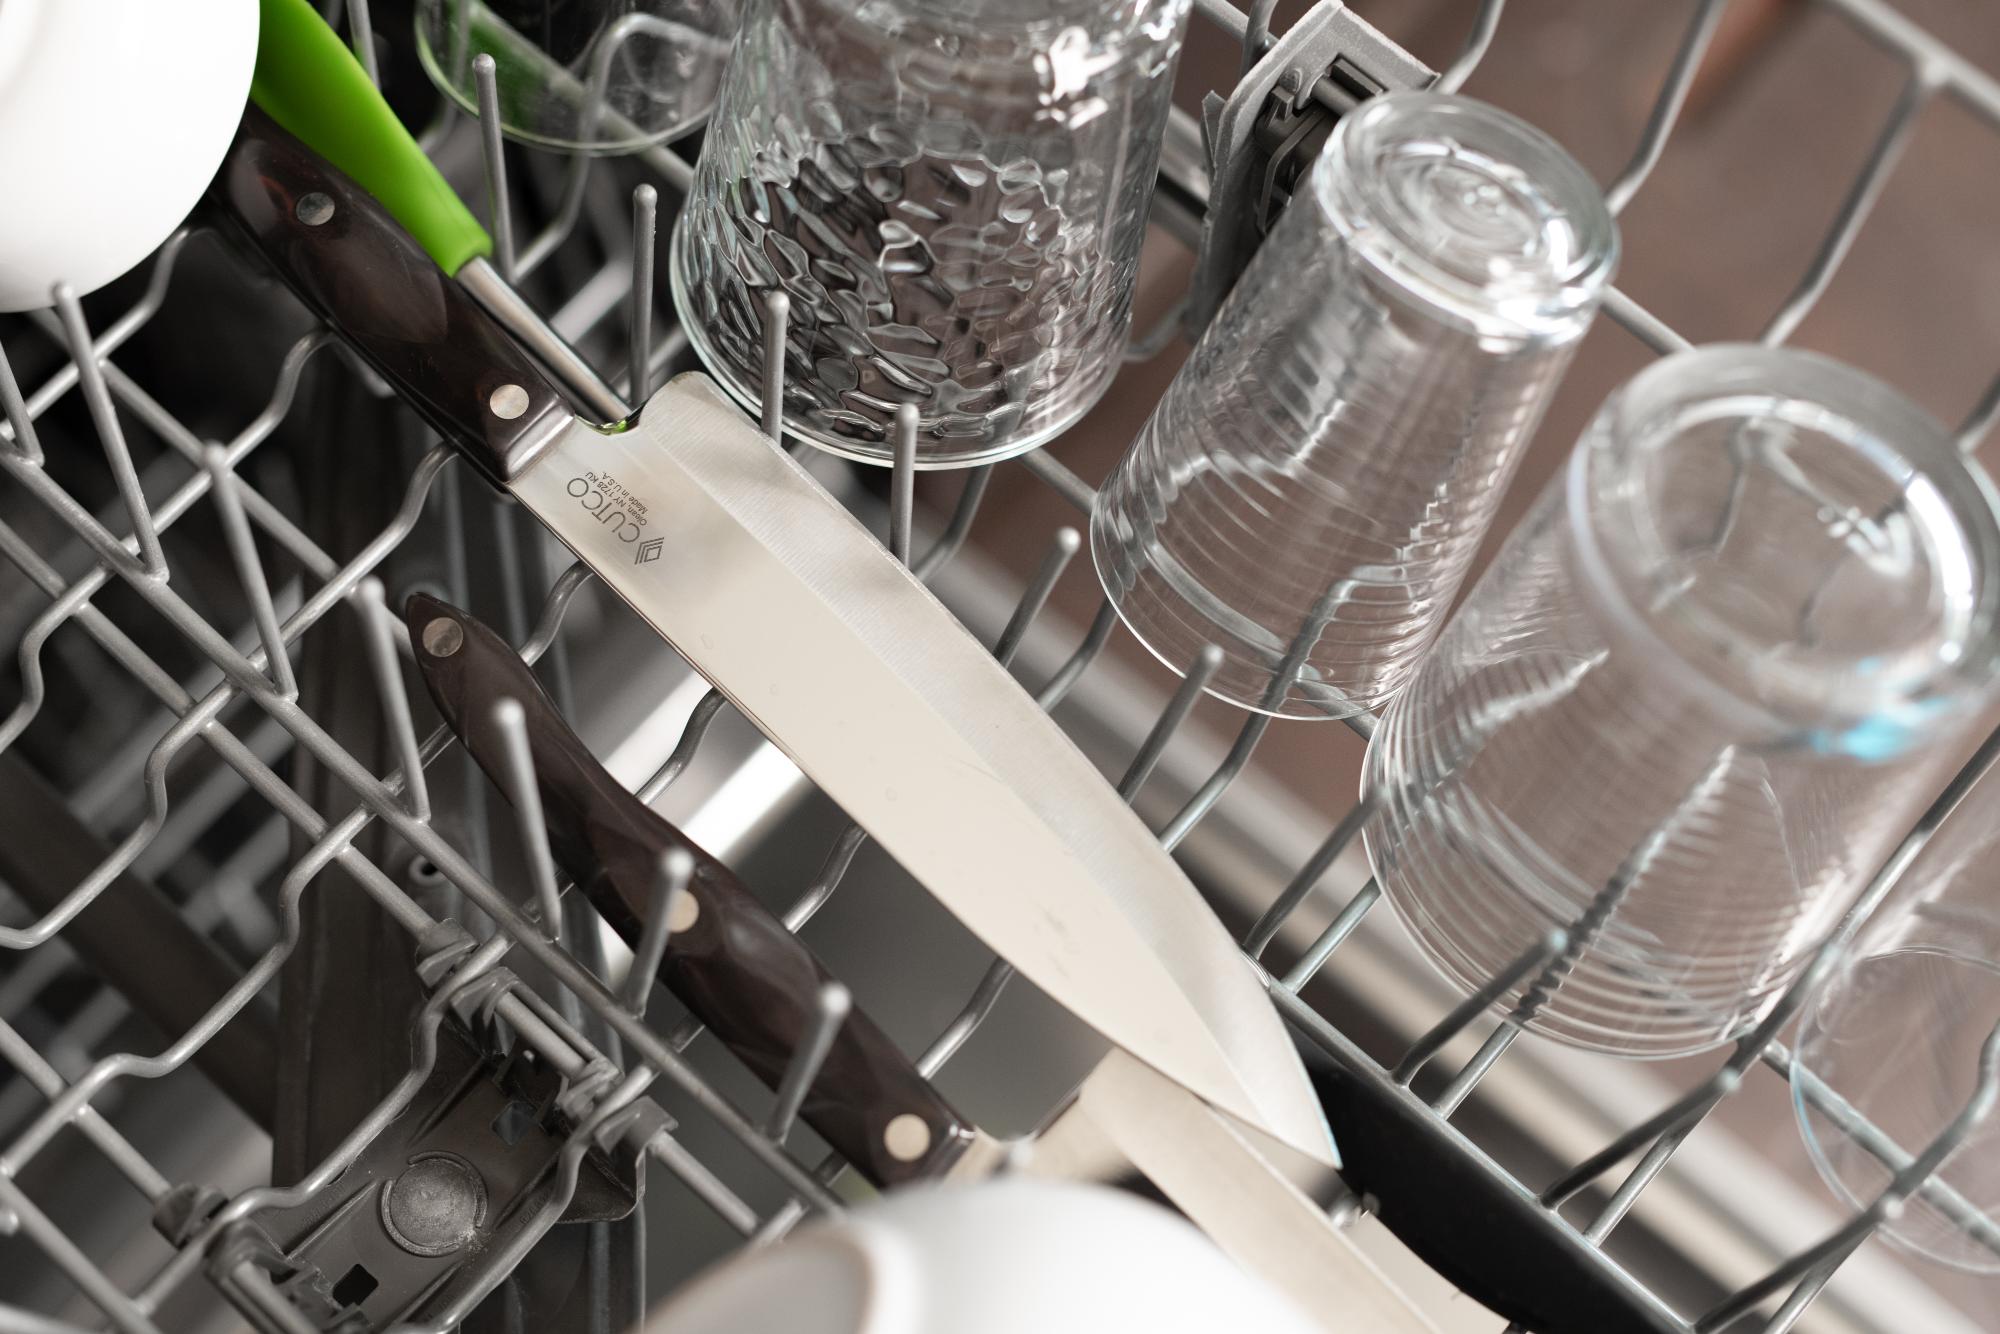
(790, 607)
(752, 982)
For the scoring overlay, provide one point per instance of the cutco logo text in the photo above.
(610, 503)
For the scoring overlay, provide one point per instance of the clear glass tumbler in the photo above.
(583, 76)
(952, 193)
(1894, 1038)
(1311, 489)
(1696, 700)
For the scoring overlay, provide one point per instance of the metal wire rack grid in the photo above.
(608, 1102)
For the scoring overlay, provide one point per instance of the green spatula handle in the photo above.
(310, 83)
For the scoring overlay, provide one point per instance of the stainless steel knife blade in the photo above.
(847, 662)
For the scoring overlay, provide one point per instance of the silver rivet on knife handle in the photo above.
(313, 208)
(906, 1137)
(443, 637)
(508, 401)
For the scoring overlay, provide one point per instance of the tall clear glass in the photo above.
(951, 192)
(1894, 1037)
(1695, 702)
(1312, 488)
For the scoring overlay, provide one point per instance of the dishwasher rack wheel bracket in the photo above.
(468, 1164)
(1268, 130)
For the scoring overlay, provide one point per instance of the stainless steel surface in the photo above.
(180, 763)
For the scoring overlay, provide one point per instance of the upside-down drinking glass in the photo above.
(1314, 484)
(952, 194)
(1893, 1038)
(1696, 700)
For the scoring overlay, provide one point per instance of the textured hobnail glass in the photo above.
(953, 197)
(1313, 486)
(1695, 701)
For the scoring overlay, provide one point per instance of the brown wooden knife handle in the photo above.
(735, 966)
(354, 265)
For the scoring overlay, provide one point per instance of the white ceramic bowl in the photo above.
(114, 115)
(1008, 1257)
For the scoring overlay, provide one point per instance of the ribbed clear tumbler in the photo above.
(1314, 484)
(952, 193)
(1696, 700)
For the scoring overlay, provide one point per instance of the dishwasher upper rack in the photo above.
(606, 1101)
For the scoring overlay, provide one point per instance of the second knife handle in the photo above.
(342, 253)
(734, 964)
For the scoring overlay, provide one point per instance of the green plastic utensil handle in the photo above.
(310, 83)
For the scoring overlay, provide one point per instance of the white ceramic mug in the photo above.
(114, 114)
(1006, 1257)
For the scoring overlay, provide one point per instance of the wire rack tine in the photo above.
(777, 316)
(105, 417)
(1469, 1009)
(16, 410)
(669, 890)
(1329, 940)
(524, 794)
(1256, 35)
(1072, 670)
(1066, 484)
(959, 526)
(493, 151)
(1666, 106)
(902, 480)
(1062, 549)
(1802, 1296)
(830, 1007)
(114, 337)
(967, 1021)
(1185, 696)
(249, 569)
(362, 29)
(706, 710)
(709, 1188)
(1203, 801)
(645, 226)
(1266, 928)
(1979, 422)
(382, 631)
(1855, 208)
(1484, 24)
